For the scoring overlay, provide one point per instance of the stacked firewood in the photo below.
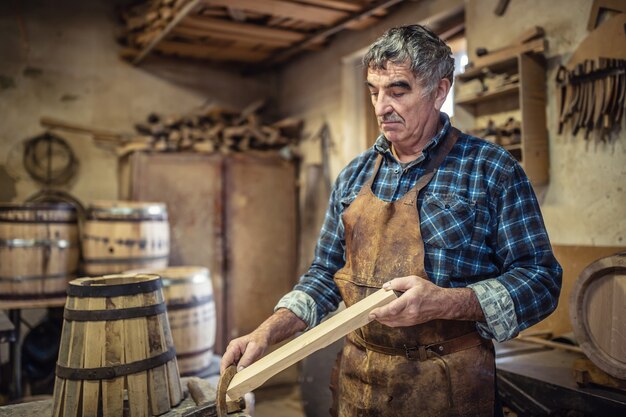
(218, 130)
(212, 129)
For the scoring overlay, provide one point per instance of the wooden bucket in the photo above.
(39, 249)
(122, 235)
(598, 313)
(116, 344)
(190, 304)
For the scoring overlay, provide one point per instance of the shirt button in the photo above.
(396, 170)
(447, 206)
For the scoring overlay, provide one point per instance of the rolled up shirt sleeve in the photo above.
(529, 286)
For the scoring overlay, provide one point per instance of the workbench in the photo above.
(539, 381)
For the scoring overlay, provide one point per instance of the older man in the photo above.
(449, 220)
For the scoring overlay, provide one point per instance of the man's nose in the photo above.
(382, 105)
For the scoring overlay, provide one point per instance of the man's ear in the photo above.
(441, 92)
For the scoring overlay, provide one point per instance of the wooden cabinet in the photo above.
(523, 100)
(235, 215)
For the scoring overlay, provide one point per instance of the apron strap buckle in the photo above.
(416, 353)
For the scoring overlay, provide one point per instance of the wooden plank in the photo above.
(321, 34)
(613, 5)
(317, 338)
(135, 350)
(75, 360)
(113, 389)
(296, 11)
(94, 342)
(538, 45)
(179, 16)
(335, 4)
(157, 377)
(63, 359)
(210, 52)
(193, 32)
(210, 24)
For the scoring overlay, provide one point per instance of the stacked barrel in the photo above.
(39, 250)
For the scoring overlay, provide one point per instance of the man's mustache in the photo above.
(390, 117)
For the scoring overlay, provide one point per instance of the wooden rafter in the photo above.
(242, 28)
(188, 8)
(322, 34)
(292, 10)
(335, 4)
(211, 52)
(193, 32)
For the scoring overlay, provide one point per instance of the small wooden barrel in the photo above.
(190, 303)
(598, 313)
(39, 249)
(116, 344)
(122, 235)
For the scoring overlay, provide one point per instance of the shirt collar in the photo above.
(383, 146)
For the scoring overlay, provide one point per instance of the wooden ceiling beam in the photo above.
(242, 28)
(192, 32)
(346, 6)
(322, 34)
(187, 9)
(210, 52)
(296, 11)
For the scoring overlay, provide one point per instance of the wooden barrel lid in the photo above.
(127, 210)
(38, 213)
(598, 313)
(174, 275)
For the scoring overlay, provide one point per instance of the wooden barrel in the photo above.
(598, 313)
(116, 345)
(122, 235)
(190, 304)
(39, 249)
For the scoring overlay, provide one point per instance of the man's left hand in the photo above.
(424, 301)
(420, 302)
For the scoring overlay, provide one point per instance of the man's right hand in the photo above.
(247, 349)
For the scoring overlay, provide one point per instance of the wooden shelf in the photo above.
(480, 71)
(525, 101)
(512, 147)
(511, 89)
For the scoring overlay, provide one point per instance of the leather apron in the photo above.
(439, 368)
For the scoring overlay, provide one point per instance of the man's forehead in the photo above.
(391, 72)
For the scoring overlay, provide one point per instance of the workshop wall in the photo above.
(60, 59)
(585, 202)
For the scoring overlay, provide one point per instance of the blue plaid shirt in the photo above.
(481, 225)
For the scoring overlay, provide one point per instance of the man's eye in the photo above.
(373, 93)
(398, 94)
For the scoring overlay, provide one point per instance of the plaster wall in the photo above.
(60, 59)
(585, 202)
(313, 87)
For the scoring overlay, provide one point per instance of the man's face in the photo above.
(401, 105)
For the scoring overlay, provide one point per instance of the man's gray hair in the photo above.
(428, 57)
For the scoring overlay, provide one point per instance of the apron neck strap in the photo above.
(440, 153)
(436, 158)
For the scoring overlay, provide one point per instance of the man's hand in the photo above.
(423, 301)
(247, 349)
